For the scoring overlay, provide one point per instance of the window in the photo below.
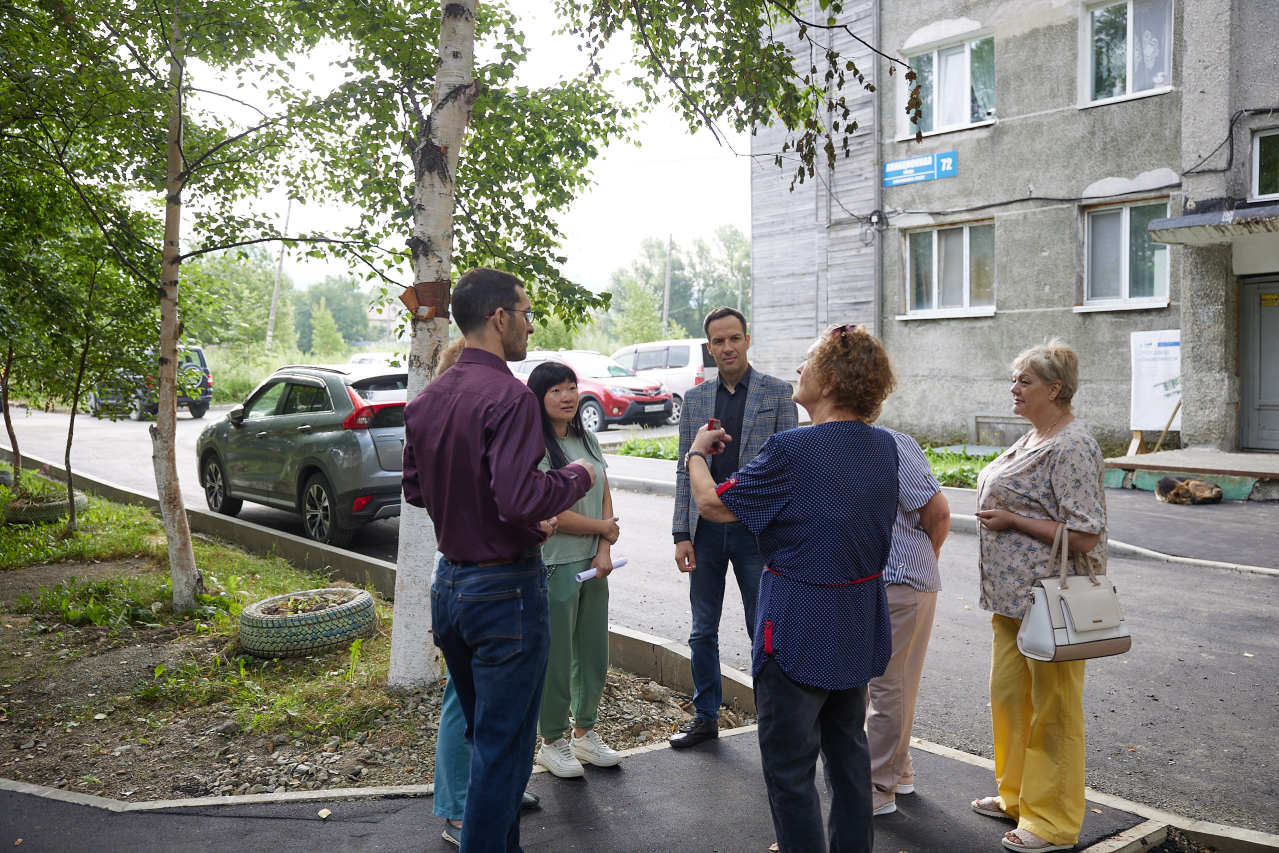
(1129, 48)
(951, 269)
(1265, 164)
(305, 398)
(263, 405)
(677, 356)
(650, 359)
(1124, 266)
(956, 84)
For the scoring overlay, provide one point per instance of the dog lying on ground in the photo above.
(1183, 490)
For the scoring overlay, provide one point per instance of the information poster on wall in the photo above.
(1156, 379)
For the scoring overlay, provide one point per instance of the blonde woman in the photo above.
(1053, 474)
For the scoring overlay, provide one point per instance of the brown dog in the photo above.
(1183, 490)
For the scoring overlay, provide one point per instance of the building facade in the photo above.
(1064, 146)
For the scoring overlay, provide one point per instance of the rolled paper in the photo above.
(590, 573)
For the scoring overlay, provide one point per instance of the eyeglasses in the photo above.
(529, 314)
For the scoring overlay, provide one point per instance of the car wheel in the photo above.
(215, 488)
(197, 410)
(91, 405)
(592, 416)
(319, 513)
(677, 407)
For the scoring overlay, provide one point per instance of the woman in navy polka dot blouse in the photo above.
(822, 500)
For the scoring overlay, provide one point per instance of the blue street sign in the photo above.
(925, 167)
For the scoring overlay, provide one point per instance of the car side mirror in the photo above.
(236, 415)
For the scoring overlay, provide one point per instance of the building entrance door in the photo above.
(1259, 363)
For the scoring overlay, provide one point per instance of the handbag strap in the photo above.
(1061, 539)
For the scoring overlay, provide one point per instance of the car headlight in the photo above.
(662, 389)
(621, 392)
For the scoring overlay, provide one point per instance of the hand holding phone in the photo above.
(713, 423)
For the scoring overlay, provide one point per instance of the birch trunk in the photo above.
(187, 580)
(435, 156)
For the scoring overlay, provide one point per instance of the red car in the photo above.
(611, 394)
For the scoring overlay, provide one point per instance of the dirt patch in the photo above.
(71, 715)
(27, 581)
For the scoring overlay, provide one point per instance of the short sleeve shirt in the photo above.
(821, 499)
(912, 560)
(563, 547)
(1062, 479)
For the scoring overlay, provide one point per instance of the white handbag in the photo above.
(1072, 621)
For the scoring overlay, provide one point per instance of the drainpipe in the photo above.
(878, 290)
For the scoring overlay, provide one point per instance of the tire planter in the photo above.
(269, 635)
(43, 512)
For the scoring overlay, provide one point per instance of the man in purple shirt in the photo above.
(473, 440)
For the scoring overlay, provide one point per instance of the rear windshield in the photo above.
(390, 388)
(194, 354)
(389, 416)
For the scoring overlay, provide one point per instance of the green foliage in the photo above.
(650, 448)
(112, 602)
(238, 370)
(957, 469)
(227, 299)
(347, 305)
(326, 340)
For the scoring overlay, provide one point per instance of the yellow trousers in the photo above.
(1037, 713)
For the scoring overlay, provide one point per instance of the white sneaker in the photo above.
(591, 750)
(558, 758)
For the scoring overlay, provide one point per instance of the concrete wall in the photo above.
(1041, 144)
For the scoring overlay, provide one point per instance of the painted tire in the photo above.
(292, 635)
(43, 513)
(6, 478)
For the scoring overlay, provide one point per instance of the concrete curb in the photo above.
(968, 524)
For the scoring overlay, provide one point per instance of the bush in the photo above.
(238, 370)
(957, 469)
(650, 448)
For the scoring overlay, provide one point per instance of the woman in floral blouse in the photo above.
(1051, 475)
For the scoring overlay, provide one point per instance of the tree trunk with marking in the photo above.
(437, 144)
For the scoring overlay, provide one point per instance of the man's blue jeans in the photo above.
(491, 624)
(717, 545)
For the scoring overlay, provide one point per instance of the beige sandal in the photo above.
(989, 806)
(1025, 841)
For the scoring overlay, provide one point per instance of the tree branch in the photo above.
(652, 52)
(847, 29)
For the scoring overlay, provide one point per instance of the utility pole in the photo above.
(279, 270)
(666, 292)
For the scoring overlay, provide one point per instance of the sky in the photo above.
(673, 183)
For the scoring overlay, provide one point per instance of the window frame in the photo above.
(967, 309)
(1085, 71)
(1125, 302)
(1254, 185)
(287, 400)
(934, 49)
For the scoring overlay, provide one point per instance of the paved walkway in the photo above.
(1244, 532)
(710, 798)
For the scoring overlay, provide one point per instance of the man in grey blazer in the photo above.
(751, 406)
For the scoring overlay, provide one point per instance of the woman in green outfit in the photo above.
(587, 530)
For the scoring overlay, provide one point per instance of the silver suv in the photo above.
(325, 442)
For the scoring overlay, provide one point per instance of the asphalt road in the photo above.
(1184, 722)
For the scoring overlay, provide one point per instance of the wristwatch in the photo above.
(705, 458)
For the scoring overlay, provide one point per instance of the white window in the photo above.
(1265, 164)
(956, 85)
(1124, 267)
(1129, 48)
(951, 270)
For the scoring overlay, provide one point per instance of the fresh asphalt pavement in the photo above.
(704, 799)
(1183, 722)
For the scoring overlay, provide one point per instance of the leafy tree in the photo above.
(228, 297)
(326, 339)
(347, 303)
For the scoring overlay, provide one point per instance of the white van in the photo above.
(678, 364)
